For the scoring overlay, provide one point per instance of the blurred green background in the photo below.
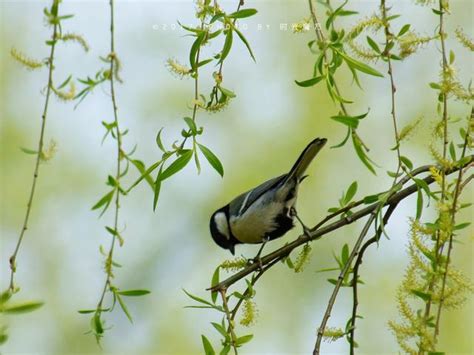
(257, 137)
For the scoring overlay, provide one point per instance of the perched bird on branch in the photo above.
(267, 211)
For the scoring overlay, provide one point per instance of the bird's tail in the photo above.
(305, 159)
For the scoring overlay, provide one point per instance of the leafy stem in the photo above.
(50, 61)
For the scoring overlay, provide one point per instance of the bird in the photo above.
(265, 212)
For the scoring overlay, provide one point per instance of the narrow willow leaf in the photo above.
(198, 299)
(225, 350)
(191, 124)
(423, 295)
(214, 282)
(309, 82)
(243, 339)
(344, 140)
(29, 151)
(243, 39)
(141, 168)
(222, 331)
(227, 92)
(345, 254)
(133, 293)
(404, 30)
(23, 307)
(208, 349)
(104, 201)
(373, 44)
(146, 175)
(462, 225)
(362, 67)
(243, 13)
(419, 204)
(177, 165)
(65, 82)
(227, 45)
(194, 50)
(407, 162)
(124, 307)
(361, 154)
(349, 121)
(212, 159)
(86, 311)
(157, 188)
(159, 143)
(351, 191)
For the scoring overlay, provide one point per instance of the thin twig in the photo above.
(355, 272)
(439, 247)
(393, 88)
(118, 134)
(285, 250)
(457, 192)
(340, 279)
(230, 321)
(38, 156)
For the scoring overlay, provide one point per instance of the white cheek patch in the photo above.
(222, 225)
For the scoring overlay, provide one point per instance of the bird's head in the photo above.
(220, 229)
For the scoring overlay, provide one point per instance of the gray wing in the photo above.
(241, 203)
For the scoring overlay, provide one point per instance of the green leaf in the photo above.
(23, 307)
(227, 45)
(97, 323)
(124, 307)
(222, 331)
(208, 349)
(157, 188)
(243, 13)
(349, 121)
(5, 296)
(344, 140)
(104, 201)
(452, 151)
(373, 44)
(29, 151)
(243, 39)
(407, 162)
(309, 82)
(116, 234)
(191, 124)
(226, 92)
(212, 159)
(353, 63)
(133, 293)
(361, 154)
(195, 49)
(159, 143)
(462, 225)
(345, 254)
(141, 168)
(404, 30)
(177, 165)
(214, 282)
(243, 339)
(86, 311)
(419, 204)
(198, 299)
(424, 296)
(351, 191)
(225, 350)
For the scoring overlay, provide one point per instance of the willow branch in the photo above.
(118, 134)
(314, 234)
(38, 157)
(393, 88)
(439, 247)
(230, 321)
(355, 301)
(340, 279)
(457, 192)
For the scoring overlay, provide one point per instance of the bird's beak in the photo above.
(232, 249)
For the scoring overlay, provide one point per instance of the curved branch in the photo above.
(314, 234)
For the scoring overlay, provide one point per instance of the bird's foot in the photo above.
(306, 230)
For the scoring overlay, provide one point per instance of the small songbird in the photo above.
(267, 211)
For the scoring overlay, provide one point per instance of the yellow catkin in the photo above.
(249, 313)
(234, 264)
(178, 69)
(75, 38)
(26, 61)
(464, 39)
